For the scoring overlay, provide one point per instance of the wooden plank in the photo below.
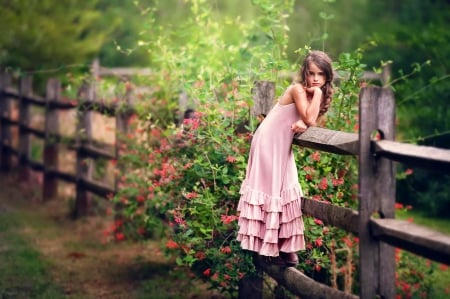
(96, 152)
(301, 285)
(437, 159)
(34, 99)
(98, 188)
(412, 237)
(329, 141)
(341, 217)
(36, 132)
(263, 96)
(58, 174)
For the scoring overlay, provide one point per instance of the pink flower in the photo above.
(323, 184)
(408, 171)
(316, 156)
(318, 221)
(231, 159)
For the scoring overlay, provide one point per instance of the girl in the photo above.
(270, 220)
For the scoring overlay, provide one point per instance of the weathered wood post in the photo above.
(53, 94)
(376, 193)
(26, 89)
(5, 127)
(251, 286)
(83, 166)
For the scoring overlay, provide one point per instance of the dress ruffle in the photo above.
(265, 219)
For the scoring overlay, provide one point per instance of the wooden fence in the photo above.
(86, 148)
(376, 179)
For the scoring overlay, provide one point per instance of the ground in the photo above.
(46, 254)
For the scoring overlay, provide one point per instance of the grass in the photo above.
(24, 272)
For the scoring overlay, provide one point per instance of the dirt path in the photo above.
(81, 263)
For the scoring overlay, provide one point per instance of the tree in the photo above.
(44, 35)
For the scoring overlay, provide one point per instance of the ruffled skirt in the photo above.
(270, 224)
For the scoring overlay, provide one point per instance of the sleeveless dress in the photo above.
(270, 217)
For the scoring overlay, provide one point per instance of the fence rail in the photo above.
(376, 178)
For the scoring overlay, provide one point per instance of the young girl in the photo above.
(270, 220)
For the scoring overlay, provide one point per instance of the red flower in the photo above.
(347, 241)
(140, 198)
(120, 236)
(318, 221)
(225, 249)
(200, 255)
(191, 195)
(227, 219)
(318, 242)
(315, 156)
(337, 182)
(323, 184)
(207, 272)
(409, 171)
(172, 244)
(231, 159)
(398, 206)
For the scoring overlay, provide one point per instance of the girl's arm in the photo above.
(308, 109)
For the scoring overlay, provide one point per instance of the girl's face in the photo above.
(315, 76)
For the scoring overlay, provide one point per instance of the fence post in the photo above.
(53, 92)
(5, 127)
(84, 167)
(26, 89)
(263, 95)
(376, 193)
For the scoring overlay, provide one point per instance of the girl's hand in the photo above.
(299, 127)
(314, 90)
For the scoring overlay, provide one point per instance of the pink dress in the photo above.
(270, 204)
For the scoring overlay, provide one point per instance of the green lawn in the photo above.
(24, 274)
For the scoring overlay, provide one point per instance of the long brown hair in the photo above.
(324, 63)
